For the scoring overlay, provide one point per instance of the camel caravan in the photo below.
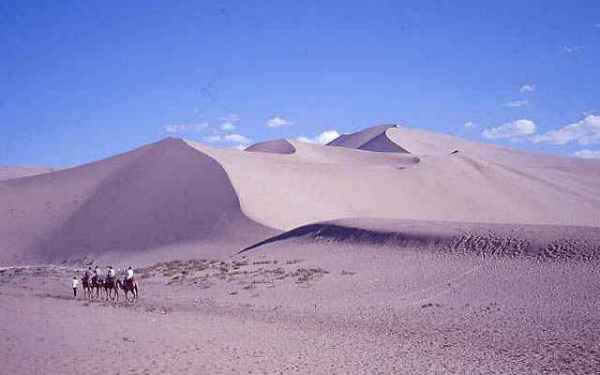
(95, 285)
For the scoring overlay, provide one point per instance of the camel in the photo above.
(97, 284)
(87, 288)
(111, 284)
(129, 286)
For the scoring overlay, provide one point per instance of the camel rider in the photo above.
(96, 276)
(110, 273)
(87, 274)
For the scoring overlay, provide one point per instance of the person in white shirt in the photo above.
(130, 273)
(75, 285)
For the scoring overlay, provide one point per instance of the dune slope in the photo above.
(153, 197)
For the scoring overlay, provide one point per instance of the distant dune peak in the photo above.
(276, 146)
(371, 139)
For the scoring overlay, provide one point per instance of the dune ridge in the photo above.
(537, 241)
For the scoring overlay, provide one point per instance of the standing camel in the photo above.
(111, 284)
(97, 284)
(129, 286)
(87, 288)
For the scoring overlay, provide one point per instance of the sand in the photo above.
(314, 308)
(391, 251)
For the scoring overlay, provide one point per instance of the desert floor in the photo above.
(312, 308)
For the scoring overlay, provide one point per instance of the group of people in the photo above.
(96, 277)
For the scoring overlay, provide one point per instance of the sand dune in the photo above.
(172, 195)
(10, 172)
(161, 195)
(479, 183)
(277, 146)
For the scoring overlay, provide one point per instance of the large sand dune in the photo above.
(442, 178)
(158, 196)
(174, 195)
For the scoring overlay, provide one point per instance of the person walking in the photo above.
(75, 285)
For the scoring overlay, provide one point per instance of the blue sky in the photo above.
(81, 81)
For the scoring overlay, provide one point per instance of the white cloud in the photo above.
(587, 154)
(212, 138)
(180, 128)
(237, 138)
(571, 49)
(277, 122)
(232, 117)
(515, 129)
(240, 147)
(517, 103)
(229, 122)
(584, 132)
(323, 138)
(470, 125)
(327, 136)
(528, 87)
(228, 126)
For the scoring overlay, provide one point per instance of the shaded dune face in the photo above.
(162, 194)
(371, 139)
(534, 241)
(277, 146)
